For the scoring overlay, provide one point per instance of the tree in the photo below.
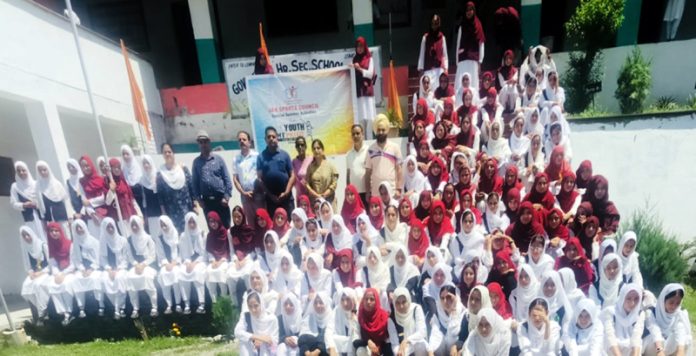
(592, 28)
(633, 83)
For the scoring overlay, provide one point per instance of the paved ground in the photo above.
(19, 311)
(210, 349)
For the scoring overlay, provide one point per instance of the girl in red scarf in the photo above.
(449, 115)
(373, 322)
(567, 198)
(557, 164)
(243, 236)
(512, 181)
(503, 272)
(263, 223)
(486, 84)
(466, 202)
(470, 44)
(555, 229)
(281, 225)
(584, 174)
(444, 90)
(575, 259)
(344, 274)
(425, 202)
(442, 142)
(588, 234)
(423, 113)
(59, 285)
(425, 156)
(376, 213)
(416, 135)
(507, 72)
(449, 198)
(499, 301)
(417, 242)
(467, 281)
(126, 201)
(491, 106)
(352, 207)
(58, 245)
(540, 196)
(304, 203)
(597, 194)
(584, 211)
(464, 182)
(525, 227)
(439, 225)
(512, 206)
(490, 181)
(406, 211)
(437, 175)
(217, 245)
(468, 137)
(95, 189)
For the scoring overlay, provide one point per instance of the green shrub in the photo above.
(633, 84)
(662, 258)
(664, 103)
(225, 316)
(691, 101)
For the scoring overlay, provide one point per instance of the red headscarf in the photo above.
(373, 324)
(503, 307)
(428, 117)
(216, 244)
(505, 255)
(347, 278)
(567, 199)
(437, 230)
(584, 165)
(470, 193)
(522, 233)
(512, 194)
(411, 216)
(376, 221)
(471, 28)
(546, 199)
(349, 211)
(412, 138)
(281, 230)
(261, 231)
(446, 92)
(452, 117)
(93, 184)
(585, 208)
(418, 247)
(492, 184)
(483, 92)
(260, 69)
(490, 109)
(123, 191)
(305, 199)
(507, 71)
(243, 236)
(364, 58)
(561, 230)
(451, 205)
(466, 138)
(420, 212)
(443, 177)
(581, 266)
(511, 169)
(585, 240)
(363, 83)
(553, 170)
(59, 249)
(445, 143)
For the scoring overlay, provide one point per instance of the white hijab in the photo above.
(570, 285)
(114, 241)
(295, 232)
(291, 277)
(545, 262)
(133, 171)
(433, 288)
(624, 321)
(266, 323)
(272, 259)
(292, 323)
(191, 240)
(438, 255)
(35, 247)
(629, 263)
(519, 145)
(322, 320)
(141, 238)
(608, 289)
(175, 177)
(171, 237)
(473, 240)
(87, 244)
(149, 180)
(496, 343)
(379, 272)
(402, 274)
(406, 320)
(49, 187)
(485, 303)
(318, 280)
(533, 128)
(344, 240)
(371, 230)
(584, 336)
(666, 320)
(496, 219)
(74, 179)
(498, 148)
(413, 181)
(558, 300)
(326, 224)
(525, 295)
(451, 321)
(24, 187)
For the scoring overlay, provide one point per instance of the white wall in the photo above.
(673, 70)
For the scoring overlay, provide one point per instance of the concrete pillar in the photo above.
(628, 32)
(531, 22)
(362, 20)
(208, 57)
(49, 140)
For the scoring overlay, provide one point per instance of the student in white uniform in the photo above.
(289, 325)
(491, 337)
(85, 258)
(527, 290)
(605, 291)
(257, 329)
(288, 279)
(539, 335)
(668, 323)
(51, 196)
(346, 327)
(585, 332)
(141, 276)
(409, 320)
(193, 255)
(629, 258)
(23, 198)
(446, 322)
(113, 258)
(35, 259)
(624, 324)
(317, 332)
(169, 261)
(315, 280)
(60, 285)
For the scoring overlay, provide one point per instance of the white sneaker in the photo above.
(187, 310)
(101, 312)
(166, 311)
(154, 313)
(123, 313)
(117, 316)
(67, 319)
(82, 314)
(201, 309)
(178, 309)
(135, 314)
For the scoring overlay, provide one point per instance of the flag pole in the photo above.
(90, 95)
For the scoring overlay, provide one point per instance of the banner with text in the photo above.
(316, 104)
(236, 70)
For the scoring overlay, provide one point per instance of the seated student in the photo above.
(402, 273)
(338, 239)
(85, 258)
(353, 205)
(629, 258)
(169, 257)
(375, 274)
(624, 323)
(141, 276)
(466, 88)
(257, 329)
(313, 241)
(377, 332)
(527, 290)
(568, 199)
(540, 196)
(281, 225)
(35, 258)
(409, 321)
(469, 238)
(346, 327)
(468, 140)
(60, 285)
(375, 213)
(575, 259)
(345, 276)
(245, 247)
(113, 257)
(316, 279)
(668, 324)
(418, 243)
(218, 248)
(504, 273)
(441, 276)
(552, 290)
(425, 202)
(298, 231)
(491, 336)
(570, 286)
(585, 332)
(444, 90)
(494, 218)
(394, 231)
(605, 290)
(192, 249)
(507, 82)
(317, 331)
(499, 301)
(439, 226)
(365, 238)
(539, 335)
(558, 234)
(289, 325)
(478, 299)
(288, 279)
(467, 281)
(447, 321)
(258, 282)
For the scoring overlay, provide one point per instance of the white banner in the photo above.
(236, 69)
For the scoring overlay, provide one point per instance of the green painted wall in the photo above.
(208, 61)
(367, 31)
(628, 32)
(531, 25)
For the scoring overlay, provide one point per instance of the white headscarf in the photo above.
(326, 224)
(133, 171)
(496, 343)
(87, 244)
(345, 319)
(266, 323)
(115, 241)
(664, 319)
(149, 180)
(315, 281)
(629, 263)
(519, 145)
(485, 303)
(606, 243)
(525, 295)
(402, 274)
(291, 277)
(272, 259)
(584, 336)
(416, 181)
(324, 318)
(473, 240)
(35, 248)
(191, 241)
(171, 237)
(433, 288)
(497, 148)
(496, 219)
(406, 320)
(532, 128)
(558, 300)
(451, 321)
(545, 262)
(371, 230)
(379, 272)
(256, 269)
(435, 251)
(49, 187)
(175, 177)
(295, 232)
(24, 187)
(608, 289)
(74, 179)
(624, 321)
(390, 192)
(292, 323)
(570, 285)
(344, 240)
(141, 238)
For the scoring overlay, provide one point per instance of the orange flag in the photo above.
(264, 49)
(136, 95)
(393, 94)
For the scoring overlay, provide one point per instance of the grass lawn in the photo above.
(689, 303)
(164, 345)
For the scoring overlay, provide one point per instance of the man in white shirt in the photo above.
(355, 160)
(244, 177)
(383, 161)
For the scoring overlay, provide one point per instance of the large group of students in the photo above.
(484, 241)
